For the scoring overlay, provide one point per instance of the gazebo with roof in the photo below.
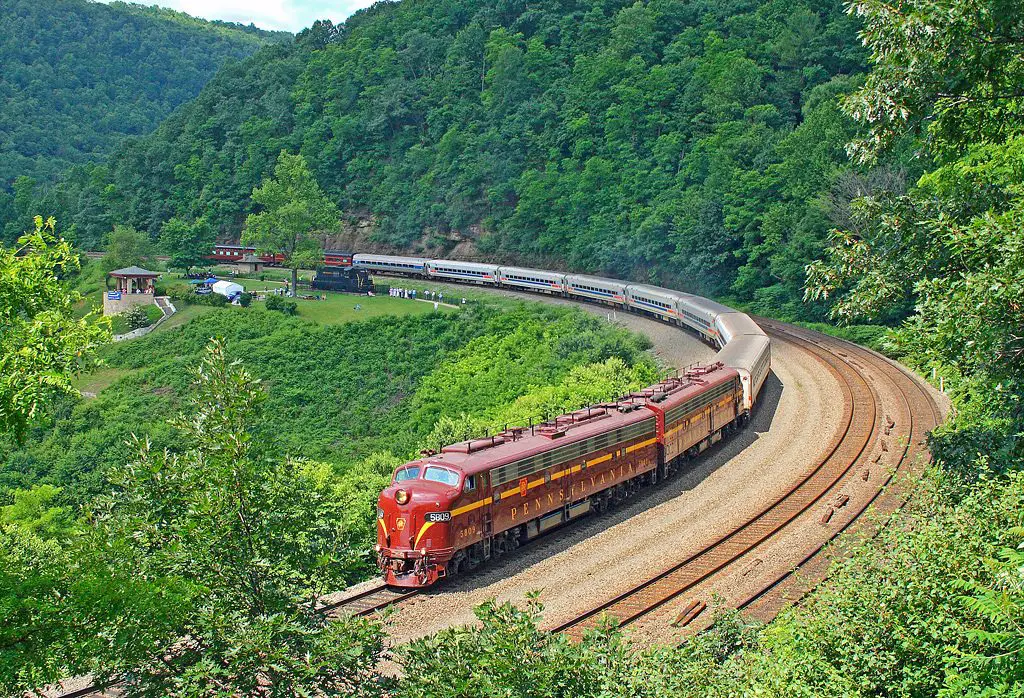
(135, 280)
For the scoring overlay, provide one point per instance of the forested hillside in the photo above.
(78, 76)
(693, 141)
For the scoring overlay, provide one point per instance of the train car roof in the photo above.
(647, 288)
(457, 263)
(743, 351)
(481, 455)
(707, 306)
(387, 257)
(738, 324)
(528, 270)
(599, 279)
(672, 392)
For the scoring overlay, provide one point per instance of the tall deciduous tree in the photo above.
(258, 535)
(42, 344)
(125, 246)
(187, 242)
(953, 244)
(294, 210)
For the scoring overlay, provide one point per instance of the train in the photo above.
(231, 254)
(451, 510)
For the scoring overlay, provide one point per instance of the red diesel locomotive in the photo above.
(450, 511)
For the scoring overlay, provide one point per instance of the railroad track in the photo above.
(369, 601)
(860, 433)
(919, 411)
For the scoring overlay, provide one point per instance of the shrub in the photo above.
(282, 305)
(245, 300)
(136, 318)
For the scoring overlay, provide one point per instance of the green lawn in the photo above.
(93, 383)
(340, 307)
(185, 314)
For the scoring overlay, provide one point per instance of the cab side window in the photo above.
(470, 483)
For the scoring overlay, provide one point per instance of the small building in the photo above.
(249, 264)
(135, 286)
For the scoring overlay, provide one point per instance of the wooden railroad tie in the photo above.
(752, 566)
(865, 474)
(841, 500)
(688, 614)
(827, 515)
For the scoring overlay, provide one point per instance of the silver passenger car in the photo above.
(699, 313)
(389, 264)
(734, 324)
(655, 300)
(596, 288)
(469, 272)
(751, 356)
(532, 279)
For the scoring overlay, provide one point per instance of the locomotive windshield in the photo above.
(442, 475)
(409, 473)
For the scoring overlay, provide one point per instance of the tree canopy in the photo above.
(294, 210)
(43, 345)
(697, 143)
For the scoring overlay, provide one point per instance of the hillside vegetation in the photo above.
(79, 76)
(695, 142)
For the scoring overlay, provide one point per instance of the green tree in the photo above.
(187, 242)
(42, 345)
(125, 246)
(952, 244)
(294, 209)
(256, 535)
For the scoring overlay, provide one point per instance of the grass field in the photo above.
(340, 307)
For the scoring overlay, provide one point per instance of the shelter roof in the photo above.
(134, 272)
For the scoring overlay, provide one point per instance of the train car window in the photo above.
(407, 474)
(435, 473)
(470, 483)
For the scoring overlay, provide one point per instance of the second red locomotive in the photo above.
(448, 512)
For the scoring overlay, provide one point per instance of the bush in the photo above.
(245, 300)
(137, 318)
(282, 305)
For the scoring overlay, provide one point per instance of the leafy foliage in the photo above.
(696, 143)
(80, 76)
(294, 208)
(42, 344)
(187, 242)
(258, 540)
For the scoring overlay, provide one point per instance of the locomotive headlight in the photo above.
(401, 496)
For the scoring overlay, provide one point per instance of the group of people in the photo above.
(436, 296)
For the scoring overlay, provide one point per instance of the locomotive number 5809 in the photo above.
(439, 516)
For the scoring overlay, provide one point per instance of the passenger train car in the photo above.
(450, 511)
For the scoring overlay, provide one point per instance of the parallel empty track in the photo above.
(862, 430)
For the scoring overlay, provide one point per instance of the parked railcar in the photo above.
(466, 272)
(751, 356)
(390, 264)
(657, 301)
(596, 288)
(532, 279)
(336, 258)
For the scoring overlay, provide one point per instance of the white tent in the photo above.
(228, 289)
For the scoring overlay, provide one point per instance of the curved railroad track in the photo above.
(864, 435)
